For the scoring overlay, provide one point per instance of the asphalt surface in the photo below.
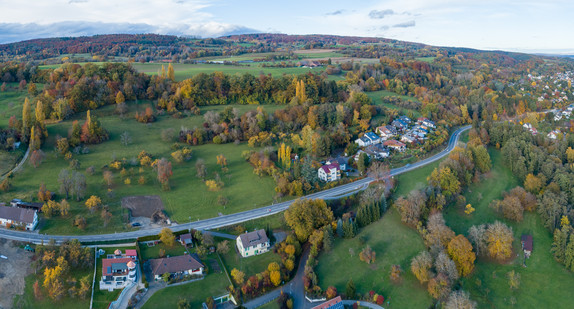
(236, 218)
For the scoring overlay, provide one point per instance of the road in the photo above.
(236, 218)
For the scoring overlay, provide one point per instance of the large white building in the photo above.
(118, 270)
(15, 216)
(329, 172)
(253, 243)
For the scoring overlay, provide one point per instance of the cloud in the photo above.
(13, 32)
(337, 12)
(406, 24)
(380, 14)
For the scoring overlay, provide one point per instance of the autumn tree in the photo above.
(331, 292)
(460, 251)
(36, 158)
(446, 180)
(93, 203)
(304, 216)
(513, 279)
(223, 247)
(92, 131)
(106, 216)
(27, 120)
(200, 169)
(499, 238)
(275, 277)
(164, 173)
(167, 237)
(421, 266)
(238, 276)
(222, 161)
(367, 255)
(459, 300)
(439, 287)
(396, 271)
(378, 171)
(170, 72)
(43, 193)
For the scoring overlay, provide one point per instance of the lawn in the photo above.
(276, 221)
(394, 243)
(153, 252)
(102, 298)
(188, 197)
(9, 159)
(27, 300)
(11, 102)
(542, 281)
(415, 179)
(251, 265)
(196, 292)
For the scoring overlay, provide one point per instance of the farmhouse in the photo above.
(15, 216)
(253, 243)
(176, 265)
(394, 144)
(27, 205)
(117, 273)
(330, 172)
(335, 303)
(526, 241)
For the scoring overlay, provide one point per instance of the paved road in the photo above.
(227, 220)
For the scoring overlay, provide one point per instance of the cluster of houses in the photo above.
(566, 113)
(20, 214)
(393, 137)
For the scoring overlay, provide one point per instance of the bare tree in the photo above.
(125, 138)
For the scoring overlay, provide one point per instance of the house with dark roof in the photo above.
(399, 125)
(253, 243)
(329, 172)
(342, 161)
(526, 241)
(186, 240)
(176, 265)
(117, 273)
(27, 205)
(378, 151)
(335, 303)
(15, 216)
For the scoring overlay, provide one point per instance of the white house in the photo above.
(253, 243)
(363, 141)
(342, 161)
(176, 265)
(378, 151)
(117, 273)
(553, 134)
(396, 145)
(330, 172)
(369, 138)
(385, 132)
(15, 216)
(408, 138)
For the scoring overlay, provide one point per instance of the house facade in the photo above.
(368, 139)
(253, 243)
(329, 172)
(342, 161)
(16, 216)
(176, 265)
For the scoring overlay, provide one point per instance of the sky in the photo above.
(513, 25)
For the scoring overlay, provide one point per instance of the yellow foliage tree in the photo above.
(469, 209)
(167, 237)
(499, 239)
(460, 251)
(238, 276)
(93, 203)
(275, 277)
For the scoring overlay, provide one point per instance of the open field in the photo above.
(242, 188)
(29, 301)
(183, 71)
(9, 159)
(153, 252)
(196, 292)
(377, 95)
(394, 243)
(542, 281)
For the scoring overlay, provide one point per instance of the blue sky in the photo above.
(530, 26)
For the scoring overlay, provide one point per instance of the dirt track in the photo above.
(13, 271)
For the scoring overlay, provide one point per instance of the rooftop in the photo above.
(174, 264)
(17, 214)
(255, 238)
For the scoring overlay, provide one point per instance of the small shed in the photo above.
(186, 239)
(526, 241)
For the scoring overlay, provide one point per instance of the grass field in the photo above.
(9, 159)
(27, 300)
(183, 71)
(426, 59)
(276, 221)
(153, 252)
(188, 196)
(542, 281)
(377, 95)
(415, 179)
(394, 243)
(196, 292)
(11, 103)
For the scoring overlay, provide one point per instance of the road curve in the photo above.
(239, 217)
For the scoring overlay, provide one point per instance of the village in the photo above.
(379, 145)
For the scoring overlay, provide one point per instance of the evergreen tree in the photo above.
(382, 206)
(328, 238)
(560, 243)
(350, 289)
(569, 253)
(340, 228)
